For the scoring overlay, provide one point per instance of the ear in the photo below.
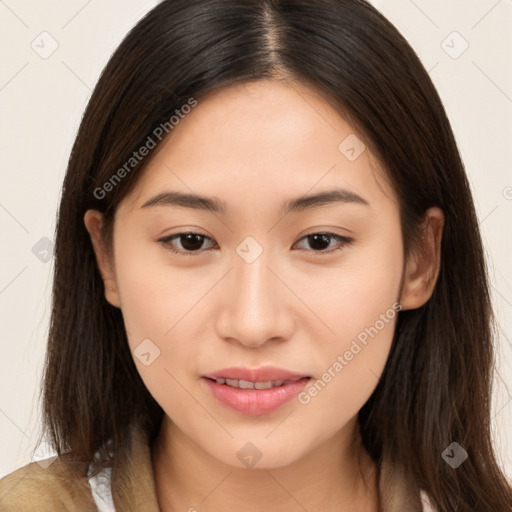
(93, 220)
(424, 261)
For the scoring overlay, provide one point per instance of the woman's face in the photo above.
(255, 288)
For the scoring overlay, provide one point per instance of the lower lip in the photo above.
(255, 402)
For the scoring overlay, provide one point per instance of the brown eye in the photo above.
(190, 242)
(319, 242)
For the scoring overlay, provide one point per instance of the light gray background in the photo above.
(43, 96)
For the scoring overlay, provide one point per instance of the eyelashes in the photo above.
(190, 241)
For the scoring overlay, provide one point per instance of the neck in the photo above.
(338, 475)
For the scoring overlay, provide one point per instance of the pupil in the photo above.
(188, 241)
(316, 238)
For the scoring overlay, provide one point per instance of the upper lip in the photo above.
(262, 374)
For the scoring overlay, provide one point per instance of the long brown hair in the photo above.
(436, 387)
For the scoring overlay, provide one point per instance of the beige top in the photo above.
(33, 488)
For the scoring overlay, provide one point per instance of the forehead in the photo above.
(259, 143)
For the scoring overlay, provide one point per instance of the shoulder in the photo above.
(50, 484)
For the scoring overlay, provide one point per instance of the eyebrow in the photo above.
(213, 204)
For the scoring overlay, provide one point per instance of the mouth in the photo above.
(254, 398)
(248, 384)
(248, 376)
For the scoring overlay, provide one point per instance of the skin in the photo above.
(255, 146)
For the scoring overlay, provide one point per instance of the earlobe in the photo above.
(424, 262)
(93, 220)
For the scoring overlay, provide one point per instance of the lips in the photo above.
(255, 391)
(263, 374)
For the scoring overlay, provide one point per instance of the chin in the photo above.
(258, 454)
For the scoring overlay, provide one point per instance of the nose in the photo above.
(256, 305)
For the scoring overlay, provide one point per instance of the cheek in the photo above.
(350, 364)
(152, 305)
(353, 295)
(361, 308)
(153, 294)
(157, 301)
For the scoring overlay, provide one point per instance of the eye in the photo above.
(320, 240)
(192, 242)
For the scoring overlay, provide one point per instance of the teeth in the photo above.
(263, 385)
(247, 384)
